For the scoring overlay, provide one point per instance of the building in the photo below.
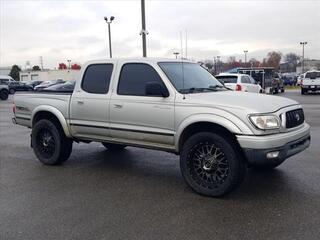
(312, 64)
(5, 70)
(287, 67)
(46, 75)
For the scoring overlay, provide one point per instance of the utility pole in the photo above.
(41, 62)
(69, 63)
(303, 43)
(143, 32)
(109, 31)
(218, 64)
(245, 57)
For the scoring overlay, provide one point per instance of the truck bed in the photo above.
(27, 102)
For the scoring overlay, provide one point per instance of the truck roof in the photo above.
(139, 59)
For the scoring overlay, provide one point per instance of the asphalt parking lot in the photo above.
(140, 194)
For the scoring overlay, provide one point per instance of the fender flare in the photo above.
(210, 118)
(56, 113)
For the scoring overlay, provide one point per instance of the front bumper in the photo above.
(311, 87)
(256, 148)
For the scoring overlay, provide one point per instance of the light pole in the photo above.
(143, 32)
(176, 54)
(69, 62)
(245, 57)
(109, 22)
(218, 64)
(303, 43)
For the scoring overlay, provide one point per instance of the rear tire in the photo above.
(211, 165)
(49, 143)
(4, 94)
(113, 146)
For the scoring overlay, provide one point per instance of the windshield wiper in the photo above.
(218, 86)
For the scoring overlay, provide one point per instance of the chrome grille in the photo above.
(294, 118)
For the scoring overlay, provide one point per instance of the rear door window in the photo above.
(97, 78)
(227, 79)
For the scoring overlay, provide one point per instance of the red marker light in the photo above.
(238, 87)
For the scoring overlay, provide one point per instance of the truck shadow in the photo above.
(163, 168)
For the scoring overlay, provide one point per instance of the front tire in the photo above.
(113, 146)
(211, 165)
(49, 143)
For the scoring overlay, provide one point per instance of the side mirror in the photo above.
(156, 89)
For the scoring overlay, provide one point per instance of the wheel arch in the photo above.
(214, 123)
(50, 113)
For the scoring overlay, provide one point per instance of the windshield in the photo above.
(313, 75)
(227, 79)
(196, 78)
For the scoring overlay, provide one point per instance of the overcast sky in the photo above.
(61, 30)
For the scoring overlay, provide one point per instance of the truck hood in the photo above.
(255, 103)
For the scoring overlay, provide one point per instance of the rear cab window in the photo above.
(96, 78)
(227, 79)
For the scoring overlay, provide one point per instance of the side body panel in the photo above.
(89, 112)
(142, 119)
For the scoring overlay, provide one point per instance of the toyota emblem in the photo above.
(297, 116)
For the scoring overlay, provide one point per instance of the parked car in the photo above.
(34, 83)
(311, 82)
(46, 84)
(4, 91)
(168, 105)
(68, 86)
(5, 79)
(18, 86)
(263, 75)
(289, 79)
(239, 82)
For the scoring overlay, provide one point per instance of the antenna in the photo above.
(186, 44)
(182, 68)
(181, 45)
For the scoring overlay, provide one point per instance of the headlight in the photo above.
(265, 122)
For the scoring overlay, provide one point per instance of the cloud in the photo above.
(60, 30)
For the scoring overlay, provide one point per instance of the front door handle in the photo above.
(80, 102)
(118, 105)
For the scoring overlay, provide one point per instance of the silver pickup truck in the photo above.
(169, 105)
